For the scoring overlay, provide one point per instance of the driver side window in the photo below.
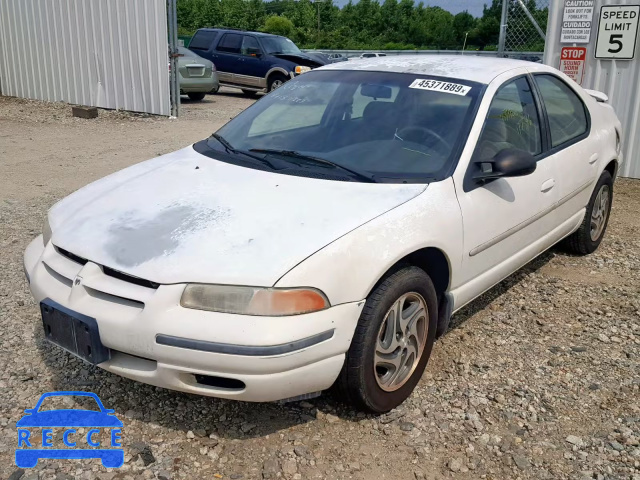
(512, 122)
(249, 45)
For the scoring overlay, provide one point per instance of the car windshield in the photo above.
(389, 127)
(274, 45)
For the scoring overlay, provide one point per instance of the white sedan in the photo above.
(325, 235)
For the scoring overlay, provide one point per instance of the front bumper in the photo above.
(156, 341)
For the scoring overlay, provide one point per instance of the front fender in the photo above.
(279, 69)
(347, 269)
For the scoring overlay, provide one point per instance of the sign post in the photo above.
(576, 21)
(572, 61)
(617, 32)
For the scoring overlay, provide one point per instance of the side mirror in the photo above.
(510, 162)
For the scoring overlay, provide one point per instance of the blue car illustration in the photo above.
(69, 419)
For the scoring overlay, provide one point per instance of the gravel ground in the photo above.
(538, 378)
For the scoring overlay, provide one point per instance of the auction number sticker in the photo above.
(438, 86)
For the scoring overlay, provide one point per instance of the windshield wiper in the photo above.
(231, 149)
(312, 159)
(227, 146)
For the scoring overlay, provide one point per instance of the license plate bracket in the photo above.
(76, 333)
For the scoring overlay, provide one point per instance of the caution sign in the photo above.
(617, 32)
(576, 21)
(572, 62)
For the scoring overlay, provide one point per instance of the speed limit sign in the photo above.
(617, 32)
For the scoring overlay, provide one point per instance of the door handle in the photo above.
(548, 185)
(593, 159)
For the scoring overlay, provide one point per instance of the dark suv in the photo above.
(251, 61)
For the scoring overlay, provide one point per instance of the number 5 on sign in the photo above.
(617, 32)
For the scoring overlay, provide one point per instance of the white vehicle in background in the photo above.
(372, 55)
(325, 235)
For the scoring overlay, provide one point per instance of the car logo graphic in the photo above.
(78, 280)
(32, 447)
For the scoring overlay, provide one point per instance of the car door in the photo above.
(228, 57)
(575, 152)
(506, 221)
(202, 44)
(254, 67)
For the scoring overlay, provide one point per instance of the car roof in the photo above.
(232, 30)
(465, 67)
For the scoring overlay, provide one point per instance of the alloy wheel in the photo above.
(400, 342)
(599, 213)
(276, 84)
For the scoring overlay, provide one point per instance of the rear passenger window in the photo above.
(202, 40)
(566, 112)
(513, 122)
(230, 43)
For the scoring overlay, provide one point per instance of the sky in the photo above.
(474, 7)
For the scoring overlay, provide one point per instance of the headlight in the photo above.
(300, 69)
(268, 302)
(46, 231)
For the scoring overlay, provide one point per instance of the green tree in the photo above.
(278, 25)
(363, 24)
(463, 23)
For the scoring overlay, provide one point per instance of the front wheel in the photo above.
(587, 238)
(392, 342)
(196, 96)
(275, 81)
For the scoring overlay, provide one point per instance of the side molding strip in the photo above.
(248, 350)
(481, 248)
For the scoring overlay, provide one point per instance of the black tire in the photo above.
(250, 93)
(275, 81)
(196, 97)
(580, 241)
(357, 383)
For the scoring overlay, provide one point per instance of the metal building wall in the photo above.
(619, 79)
(104, 53)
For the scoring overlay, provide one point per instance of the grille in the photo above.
(71, 256)
(223, 383)
(110, 272)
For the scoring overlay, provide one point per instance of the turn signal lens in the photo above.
(267, 302)
(300, 69)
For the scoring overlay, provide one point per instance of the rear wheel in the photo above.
(587, 238)
(392, 342)
(196, 96)
(275, 81)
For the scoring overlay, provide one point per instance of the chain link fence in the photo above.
(524, 26)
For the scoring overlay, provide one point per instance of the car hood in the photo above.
(69, 418)
(185, 217)
(302, 59)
